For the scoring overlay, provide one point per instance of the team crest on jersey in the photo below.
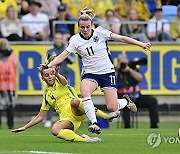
(96, 39)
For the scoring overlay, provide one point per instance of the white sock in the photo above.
(89, 109)
(117, 112)
(122, 103)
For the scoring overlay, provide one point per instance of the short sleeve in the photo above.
(166, 26)
(105, 32)
(151, 27)
(24, 21)
(71, 46)
(46, 19)
(45, 106)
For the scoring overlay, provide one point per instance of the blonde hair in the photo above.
(15, 12)
(86, 14)
(4, 44)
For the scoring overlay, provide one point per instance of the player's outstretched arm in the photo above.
(33, 122)
(146, 46)
(60, 58)
(61, 78)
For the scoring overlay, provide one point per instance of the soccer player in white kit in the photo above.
(98, 69)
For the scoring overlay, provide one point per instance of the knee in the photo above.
(112, 107)
(84, 93)
(54, 130)
(75, 103)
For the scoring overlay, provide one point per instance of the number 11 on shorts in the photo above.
(113, 79)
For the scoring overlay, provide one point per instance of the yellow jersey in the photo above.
(4, 5)
(139, 5)
(58, 96)
(77, 5)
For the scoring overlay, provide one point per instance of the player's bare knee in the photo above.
(75, 103)
(112, 108)
(85, 93)
(55, 131)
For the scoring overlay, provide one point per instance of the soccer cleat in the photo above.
(112, 115)
(91, 139)
(130, 103)
(94, 128)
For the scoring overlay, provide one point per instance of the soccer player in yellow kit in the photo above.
(63, 98)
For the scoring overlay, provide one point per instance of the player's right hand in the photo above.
(18, 130)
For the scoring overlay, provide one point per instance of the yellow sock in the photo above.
(81, 108)
(101, 114)
(70, 135)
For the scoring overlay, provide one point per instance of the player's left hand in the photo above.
(18, 130)
(57, 68)
(146, 46)
(42, 66)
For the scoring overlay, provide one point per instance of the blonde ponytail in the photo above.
(86, 14)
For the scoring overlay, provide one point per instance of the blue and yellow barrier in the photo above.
(161, 76)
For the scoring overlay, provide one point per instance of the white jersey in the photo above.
(93, 51)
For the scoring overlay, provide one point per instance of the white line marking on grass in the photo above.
(111, 134)
(35, 152)
(52, 135)
(37, 135)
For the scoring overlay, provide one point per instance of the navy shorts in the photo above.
(103, 80)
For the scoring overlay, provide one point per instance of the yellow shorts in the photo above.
(66, 114)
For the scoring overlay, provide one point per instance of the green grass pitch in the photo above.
(115, 141)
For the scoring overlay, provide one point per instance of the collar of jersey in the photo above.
(87, 38)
